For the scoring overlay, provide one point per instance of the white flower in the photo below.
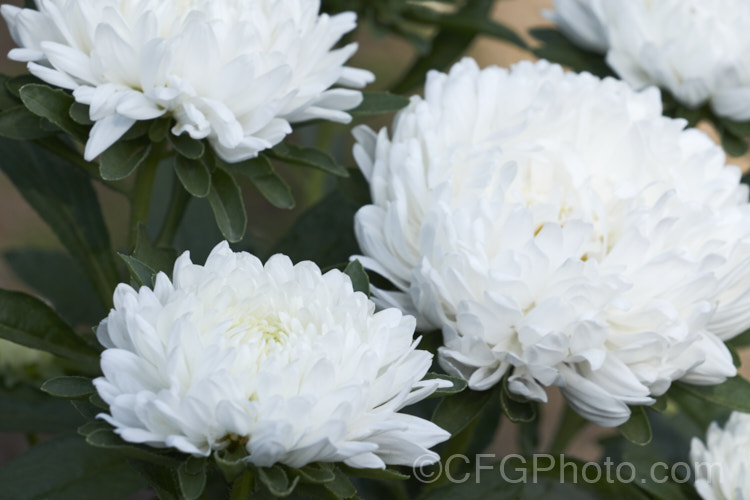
(723, 462)
(236, 72)
(698, 50)
(292, 363)
(559, 229)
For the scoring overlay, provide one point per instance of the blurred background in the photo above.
(20, 228)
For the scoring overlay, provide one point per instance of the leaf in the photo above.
(161, 479)
(358, 275)
(482, 484)
(21, 124)
(738, 129)
(54, 105)
(63, 196)
(379, 103)
(341, 487)
(66, 468)
(276, 480)
(261, 173)
(26, 409)
(28, 321)
(643, 458)
(516, 410)
(159, 129)
(307, 157)
(80, 113)
(740, 341)
(242, 488)
(106, 438)
(13, 85)
(140, 273)
(157, 259)
(73, 387)
(60, 280)
(557, 48)
(191, 475)
(661, 403)
(379, 474)
(187, 146)
(194, 176)
(459, 385)
(122, 159)
(454, 413)
(229, 208)
(733, 394)
(732, 144)
(315, 474)
(637, 429)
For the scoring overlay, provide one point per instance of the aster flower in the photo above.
(561, 232)
(721, 463)
(699, 51)
(288, 361)
(235, 72)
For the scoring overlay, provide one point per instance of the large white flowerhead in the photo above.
(699, 50)
(290, 362)
(722, 463)
(235, 72)
(559, 230)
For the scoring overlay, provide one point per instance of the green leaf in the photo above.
(79, 113)
(140, 273)
(66, 468)
(379, 103)
(358, 275)
(161, 479)
(73, 387)
(157, 259)
(307, 157)
(30, 322)
(459, 385)
(482, 485)
(194, 176)
(661, 403)
(122, 159)
(13, 85)
(60, 280)
(20, 124)
(26, 409)
(642, 458)
(740, 341)
(229, 462)
(159, 129)
(341, 487)
(557, 48)
(379, 474)
(229, 208)
(54, 105)
(733, 394)
(106, 438)
(265, 179)
(515, 409)
(738, 129)
(187, 146)
(276, 480)
(454, 413)
(637, 429)
(191, 474)
(315, 474)
(242, 488)
(732, 144)
(63, 196)
(736, 359)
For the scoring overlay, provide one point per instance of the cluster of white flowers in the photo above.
(235, 72)
(559, 230)
(698, 50)
(721, 464)
(290, 362)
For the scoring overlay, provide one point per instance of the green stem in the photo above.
(140, 199)
(177, 205)
(570, 424)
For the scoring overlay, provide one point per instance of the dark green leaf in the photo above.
(191, 474)
(261, 173)
(187, 146)
(242, 488)
(194, 176)
(157, 259)
(276, 480)
(379, 474)
(459, 385)
(736, 359)
(73, 387)
(483, 484)
(642, 459)
(54, 105)
(556, 48)
(122, 159)
(515, 409)
(14, 84)
(140, 273)
(661, 403)
(7, 100)
(739, 129)
(229, 462)
(733, 394)
(341, 487)
(63, 196)
(30, 322)
(358, 275)
(159, 129)
(93, 426)
(162, 480)
(229, 208)
(307, 157)
(27, 409)
(21, 124)
(79, 113)
(68, 469)
(379, 103)
(315, 474)
(454, 413)
(106, 438)
(732, 144)
(740, 341)
(60, 280)
(637, 429)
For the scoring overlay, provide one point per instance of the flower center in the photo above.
(265, 334)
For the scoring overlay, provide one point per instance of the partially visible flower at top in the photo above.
(698, 50)
(722, 463)
(289, 363)
(235, 72)
(560, 231)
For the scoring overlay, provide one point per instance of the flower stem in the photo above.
(177, 205)
(140, 199)
(570, 424)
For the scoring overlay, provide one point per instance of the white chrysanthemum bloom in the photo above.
(235, 72)
(722, 463)
(290, 362)
(560, 230)
(698, 50)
